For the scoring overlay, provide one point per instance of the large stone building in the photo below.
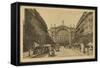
(35, 30)
(62, 34)
(85, 26)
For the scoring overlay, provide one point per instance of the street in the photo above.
(64, 52)
(68, 52)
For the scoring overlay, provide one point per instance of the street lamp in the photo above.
(70, 37)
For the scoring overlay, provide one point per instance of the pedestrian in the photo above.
(82, 47)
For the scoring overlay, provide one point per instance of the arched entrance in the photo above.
(62, 35)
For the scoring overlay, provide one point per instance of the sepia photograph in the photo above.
(54, 34)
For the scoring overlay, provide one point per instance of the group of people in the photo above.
(38, 49)
(84, 48)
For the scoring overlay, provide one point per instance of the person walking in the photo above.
(82, 47)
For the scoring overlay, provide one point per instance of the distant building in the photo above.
(61, 34)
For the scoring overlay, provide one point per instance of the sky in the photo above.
(52, 15)
(58, 16)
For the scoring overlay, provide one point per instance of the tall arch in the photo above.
(62, 35)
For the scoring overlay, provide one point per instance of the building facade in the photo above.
(62, 34)
(84, 33)
(84, 29)
(85, 24)
(34, 30)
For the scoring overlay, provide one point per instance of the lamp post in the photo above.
(70, 38)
